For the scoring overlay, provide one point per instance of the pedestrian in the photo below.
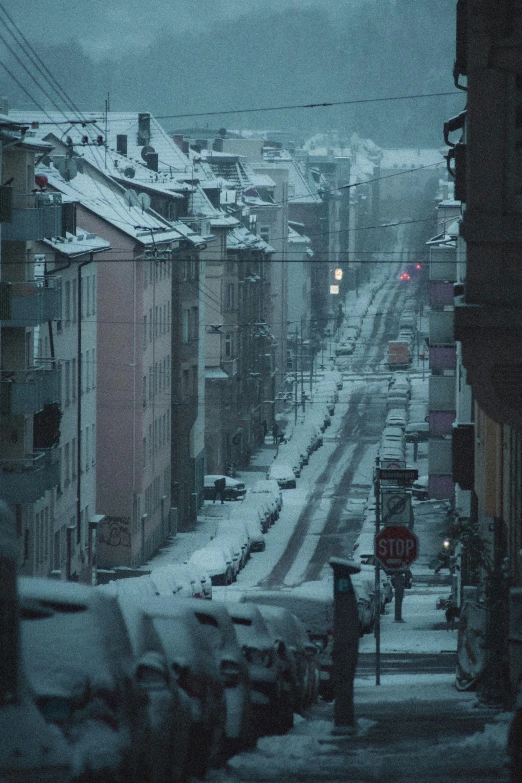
(220, 486)
(399, 584)
(415, 441)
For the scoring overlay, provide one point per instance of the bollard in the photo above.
(346, 643)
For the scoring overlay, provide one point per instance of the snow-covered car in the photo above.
(81, 670)
(269, 488)
(249, 523)
(167, 706)
(234, 488)
(192, 662)
(417, 431)
(271, 699)
(267, 501)
(364, 586)
(214, 562)
(283, 474)
(419, 488)
(305, 671)
(178, 579)
(237, 532)
(396, 417)
(231, 547)
(219, 630)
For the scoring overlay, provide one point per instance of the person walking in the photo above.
(399, 585)
(220, 486)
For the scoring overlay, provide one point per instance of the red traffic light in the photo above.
(405, 276)
(418, 266)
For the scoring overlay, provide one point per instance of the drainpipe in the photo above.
(79, 412)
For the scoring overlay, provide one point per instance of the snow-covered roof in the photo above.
(403, 158)
(77, 244)
(300, 189)
(240, 237)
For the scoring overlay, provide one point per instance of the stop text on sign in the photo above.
(396, 547)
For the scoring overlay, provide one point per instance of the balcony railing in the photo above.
(27, 391)
(230, 367)
(30, 302)
(34, 216)
(25, 480)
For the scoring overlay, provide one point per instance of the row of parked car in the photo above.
(307, 436)
(144, 686)
(236, 536)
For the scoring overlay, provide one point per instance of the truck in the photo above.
(398, 354)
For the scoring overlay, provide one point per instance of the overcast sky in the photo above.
(108, 27)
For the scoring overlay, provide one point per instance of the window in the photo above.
(145, 451)
(93, 444)
(144, 391)
(93, 353)
(67, 464)
(93, 306)
(87, 371)
(185, 384)
(151, 391)
(74, 302)
(228, 345)
(230, 298)
(264, 233)
(67, 382)
(67, 302)
(145, 330)
(185, 326)
(74, 458)
(87, 448)
(74, 379)
(194, 323)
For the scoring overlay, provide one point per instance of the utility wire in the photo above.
(324, 104)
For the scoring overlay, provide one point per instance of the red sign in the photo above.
(396, 547)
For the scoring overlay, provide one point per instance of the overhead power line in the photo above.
(324, 104)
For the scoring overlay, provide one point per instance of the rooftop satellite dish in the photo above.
(129, 172)
(131, 198)
(68, 169)
(144, 200)
(146, 151)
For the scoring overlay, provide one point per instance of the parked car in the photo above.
(283, 474)
(419, 488)
(305, 672)
(215, 564)
(231, 548)
(249, 522)
(178, 579)
(396, 417)
(238, 534)
(80, 667)
(272, 709)
(167, 705)
(267, 503)
(192, 662)
(418, 430)
(269, 487)
(219, 631)
(234, 489)
(364, 586)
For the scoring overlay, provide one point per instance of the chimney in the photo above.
(186, 147)
(178, 139)
(143, 129)
(152, 161)
(217, 146)
(4, 105)
(121, 144)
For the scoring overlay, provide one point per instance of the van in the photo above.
(418, 430)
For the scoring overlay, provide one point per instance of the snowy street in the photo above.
(414, 726)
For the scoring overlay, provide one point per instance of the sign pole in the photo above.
(377, 489)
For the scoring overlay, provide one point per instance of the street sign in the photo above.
(395, 507)
(392, 464)
(397, 475)
(396, 547)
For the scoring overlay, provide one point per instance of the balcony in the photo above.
(441, 293)
(230, 367)
(27, 391)
(441, 327)
(30, 302)
(443, 357)
(25, 480)
(34, 216)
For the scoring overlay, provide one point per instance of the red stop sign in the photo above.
(396, 547)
